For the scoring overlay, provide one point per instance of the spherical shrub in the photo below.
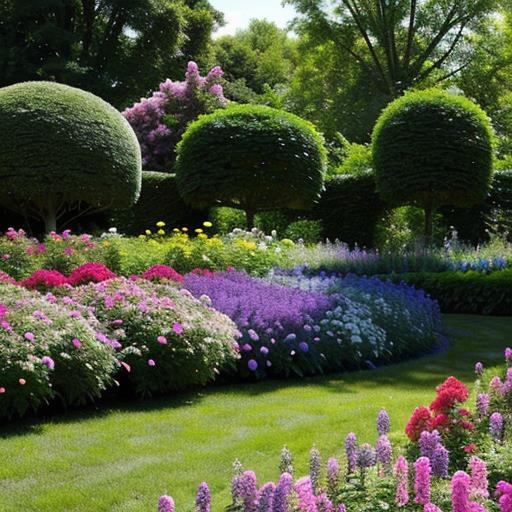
(162, 273)
(61, 146)
(167, 339)
(432, 148)
(47, 351)
(92, 272)
(250, 157)
(44, 280)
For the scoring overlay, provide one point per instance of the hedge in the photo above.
(466, 292)
(350, 208)
(159, 201)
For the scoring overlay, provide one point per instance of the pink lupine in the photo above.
(305, 495)
(422, 481)
(165, 504)
(461, 487)
(479, 483)
(504, 495)
(402, 481)
(430, 507)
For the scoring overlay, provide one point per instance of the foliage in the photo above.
(117, 50)
(167, 340)
(63, 146)
(349, 209)
(263, 159)
(47, 352)
(414, 143)
(160, 120)
(159, 201)
(471, 292)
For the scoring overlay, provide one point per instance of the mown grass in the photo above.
(122, 458)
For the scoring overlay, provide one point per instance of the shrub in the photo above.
(162, 273)
(44, 280)
(160, 120)
(471, 292)
(92, 272)
(289, 331)
(349, 209)
(47, 351)
(432, 148)
(159, 201)
(166, 339)
(250, 157)
(62, 146)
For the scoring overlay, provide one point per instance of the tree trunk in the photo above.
(249, 215)
(50, 220)
(429, 214)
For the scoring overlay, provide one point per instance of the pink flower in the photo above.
(177, 328)
(76, 343)
(92, 272)
(402, 481)
(48, 362)
(162, 272)
(422, 481)
(151, 362)
(162, 340)
(29, 336)
(479, 484)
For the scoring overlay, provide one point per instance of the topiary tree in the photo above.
(432, 148)
(61, 147)
(253, 158)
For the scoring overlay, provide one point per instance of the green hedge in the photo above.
(350, 208)
(468, 293)
(159, 201)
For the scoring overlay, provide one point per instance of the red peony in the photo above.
(43, 279)
(158, 272)
(449, 393)
(419, 421)
(90, 273)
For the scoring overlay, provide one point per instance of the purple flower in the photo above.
(253, 335)
(440, 461)
(165, 504)
(422, 481)
(384, 451)
(479, 369)
(162, 340)
(508, 355)
(383, 422)
(402, 481)
(351, 451)
(482, 405)
(479, 483)
(48, 362)
(333, 477)
(29, 336)
(305, 495)
(264, 350)
(151, 362)
(245, 490)
(428, 443)
(266, 497)
(323, 503)
(283, 490)
(252, 364)
(303, 346)
(203, 498)
(496, 426)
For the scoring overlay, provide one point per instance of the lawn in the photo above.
(122, 458)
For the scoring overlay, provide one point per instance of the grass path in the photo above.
(122, 459)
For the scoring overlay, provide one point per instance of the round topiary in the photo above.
(432, 148)
(253, 158)
(61, 146)
(350, 208)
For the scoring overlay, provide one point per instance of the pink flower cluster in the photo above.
(162, 272)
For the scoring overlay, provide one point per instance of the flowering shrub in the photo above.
(160, 120)
(43, 280)
(162, 273)
(410, 319)
(47, 350)
(286, 331)
(92, 272)
(165, 339)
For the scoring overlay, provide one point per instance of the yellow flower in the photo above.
(175, 230)
(207, 224)
(202, 236)
(148, 232)
(198, 230)
(161, 232)
(160, 224)
(142, 237)
(184, 229)
(106, 243)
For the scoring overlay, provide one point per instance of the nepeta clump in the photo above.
(165, 339)
(160, 120)
(288, 331)
(47, 351)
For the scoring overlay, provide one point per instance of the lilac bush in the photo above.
(160, 120)
(285, 330)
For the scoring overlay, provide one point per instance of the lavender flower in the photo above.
(479, 369)
(383, 422)
(384, 451)
(440, 461)
(286, 462)
(508, 355)
(283, 490)
(315, 465)
(496, 426)
(266, 497)
(165, 504)
(482, 405)
(351, 451)
(203, 498)
(428, 443)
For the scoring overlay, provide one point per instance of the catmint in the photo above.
(282, 492)
(384, 452)
(428, 443)
(482, 405)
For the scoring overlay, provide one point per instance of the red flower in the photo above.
(468, 425)
(470, 448)
(449, 393)
(419, 421)
(438, 421)
(43, 279)
(464, 412)
(90, 273)
(158, 272)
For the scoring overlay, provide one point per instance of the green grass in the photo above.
(122, 458)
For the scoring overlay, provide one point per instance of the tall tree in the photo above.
(398, 44)
(118, 49)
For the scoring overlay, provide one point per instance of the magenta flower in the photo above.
(162, 340)
(29, 336)
(402, 481)
(76, 343)
(422, 481)
(165, 504)
(504, 495)
(430, 507)
(151, 362)
(460, 491)
(177, 328)
(48, 362)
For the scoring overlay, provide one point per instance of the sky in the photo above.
(238, 13)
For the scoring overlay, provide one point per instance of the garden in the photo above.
(231, 281)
